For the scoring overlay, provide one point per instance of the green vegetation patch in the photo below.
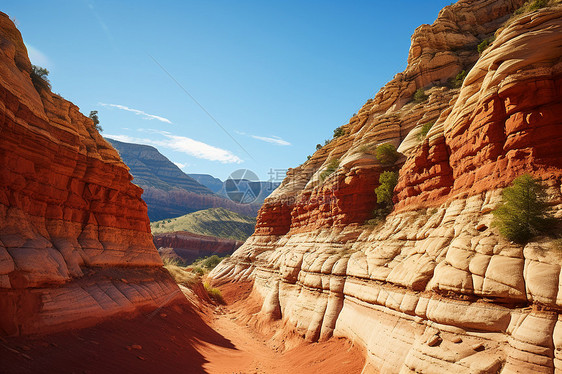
(457, 81)
(39, 78)
(218, 222)
(420, 96)
(384, 192)
(214, 293)
(485, 44)
(339, 132)
(531, 6)
(386, 154)
(424, 130)
(522, 212)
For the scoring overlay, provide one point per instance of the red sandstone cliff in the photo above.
(435, 288)
(187, 247)
(75, 242)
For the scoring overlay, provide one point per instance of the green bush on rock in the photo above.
(523, 213)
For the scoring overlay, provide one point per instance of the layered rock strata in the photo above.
(75, 241)
(433, 288)
(186, 247)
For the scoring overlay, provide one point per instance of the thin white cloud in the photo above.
(273, 139)
(180, 165)
(37, 57)
(185, 145)
(137, 112)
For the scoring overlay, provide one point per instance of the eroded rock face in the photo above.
(67, 211)
(434, 288)
(187, 247)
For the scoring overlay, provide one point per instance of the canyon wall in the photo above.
(75, 241)
(186, 247)
(433, 288)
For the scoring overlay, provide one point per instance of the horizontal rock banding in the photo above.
(434, 288)
(67, 208)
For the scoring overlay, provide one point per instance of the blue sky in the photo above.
(278, 77)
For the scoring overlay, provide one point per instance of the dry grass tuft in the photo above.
(214, 293)
(180, 274)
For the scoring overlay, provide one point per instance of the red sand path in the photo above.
(176, 339)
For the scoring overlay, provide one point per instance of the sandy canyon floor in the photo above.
(193, 338)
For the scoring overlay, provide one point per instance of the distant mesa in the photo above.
(169, 192)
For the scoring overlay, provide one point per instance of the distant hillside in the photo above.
(263, 188)
(168, 191)
(217, 222)
(212, 183)
(150, 168)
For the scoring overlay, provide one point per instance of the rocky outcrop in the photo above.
(434, 288)
(186, 247)
(75, 241)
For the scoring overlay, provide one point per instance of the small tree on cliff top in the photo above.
(522, 213)
(94, 116)
(39, 78)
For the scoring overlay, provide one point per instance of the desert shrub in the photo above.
(339, 132)
(485, 44)
(522, 212)
(385, 191)
(424, 130)
(527, 7)
(532, 5)
(456, 82)
(214, 293)
(211, 262)
(332, 166)
(197, 270)
(39, 78)
(318, 146)
(365, 149)
(386, 154)
(420, 96)
(536, 4)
